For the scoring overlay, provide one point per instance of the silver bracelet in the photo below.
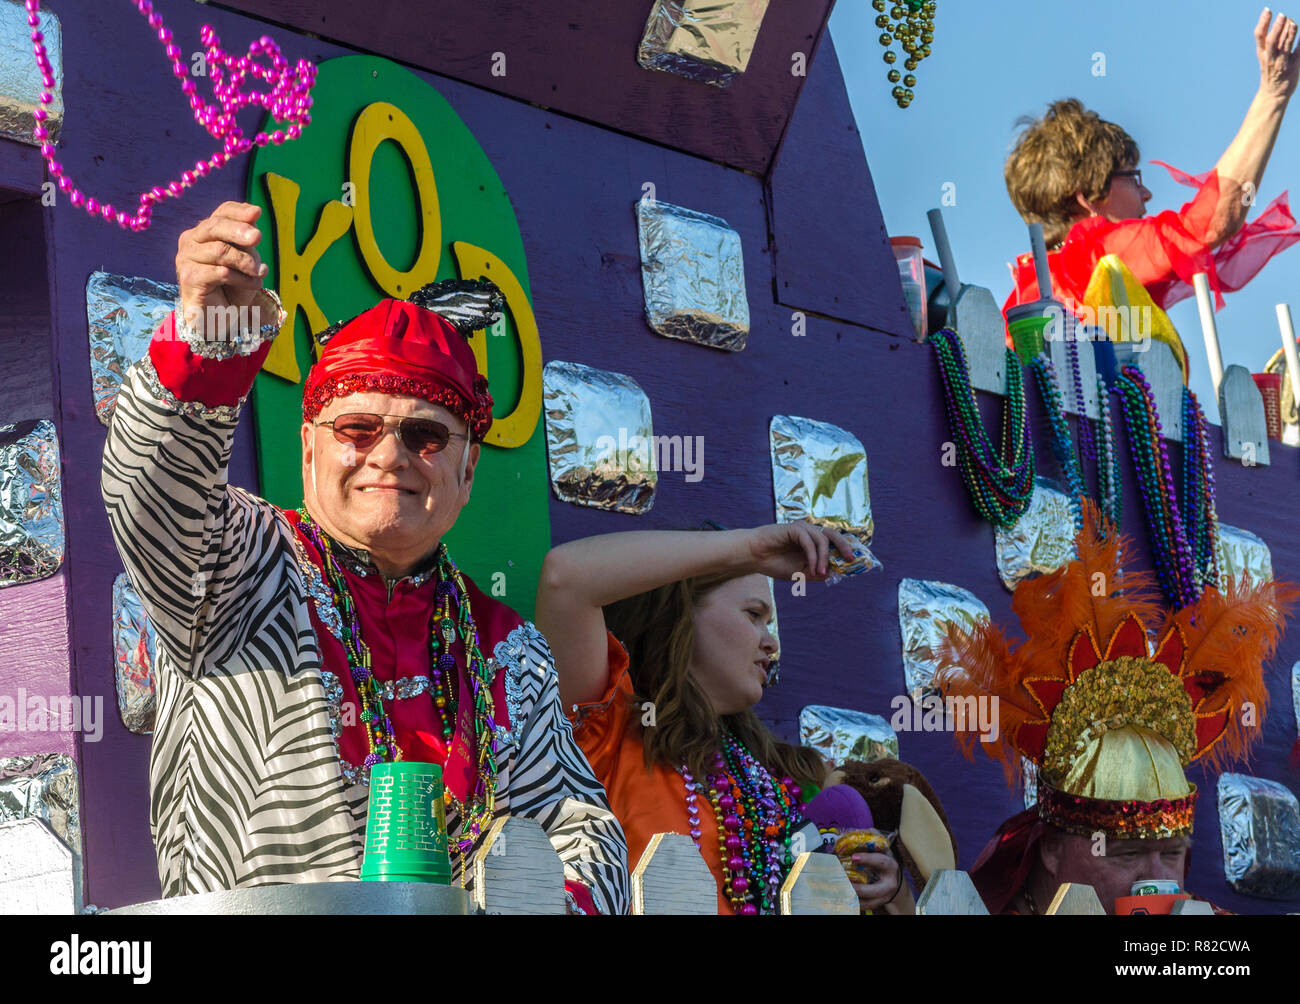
(230, 343)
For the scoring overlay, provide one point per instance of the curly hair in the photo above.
(1068, 150)
(658, 630)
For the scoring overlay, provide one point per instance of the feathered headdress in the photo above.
(1109, 715)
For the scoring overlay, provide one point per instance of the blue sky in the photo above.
(1179, 78)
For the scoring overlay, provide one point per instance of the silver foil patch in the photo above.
(926, 609)
(1295, 694)
(31, 502)
(706, 40)
(1042, 539)
(819, 473)
(693, 274)
(840, 734)
(1029, 781)
(122, 313)
(43, 786)
(20, 78)
(1240, 551)
(134, 646)
(1260, 824)
(599, 440)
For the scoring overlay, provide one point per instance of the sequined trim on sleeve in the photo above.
(510, 655)
(242, 343)
(319, 592)
(227, 413)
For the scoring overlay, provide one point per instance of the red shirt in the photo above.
(1163, 251)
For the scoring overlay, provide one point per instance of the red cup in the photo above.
(1270, 389)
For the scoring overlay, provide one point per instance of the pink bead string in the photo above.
(288, 100)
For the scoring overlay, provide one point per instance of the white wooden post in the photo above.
(1074, 900)
(1209, 329)
(950, 893)
(1289, 349)
(975, 316)
(517, 871)
(817, 885)
(672, 878)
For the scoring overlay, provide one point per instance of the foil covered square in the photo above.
(122, 313)
(31, 502)
(43, 787)
(20, 79)
(693, 274)
(134, 646)
(1042, 539)
(1241, 552)
(1295, 694)
(599, 440)
(819, 473)
(840, 734)
(706, 40)
(926, 609)
(1029, 781)
(1259, 821)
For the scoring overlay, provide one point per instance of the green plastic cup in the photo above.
(406, 831)
(1032, 324)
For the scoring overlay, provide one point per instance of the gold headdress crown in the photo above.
(1109, 720)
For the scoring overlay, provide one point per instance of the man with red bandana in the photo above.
(298, 649)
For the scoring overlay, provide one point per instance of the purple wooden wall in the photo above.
(573, 179)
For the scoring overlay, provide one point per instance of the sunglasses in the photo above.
(423, 436)
(1135, 174)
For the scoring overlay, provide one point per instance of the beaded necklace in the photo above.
(1108, 478)
(1184, 568)
(756, 817)
(1000, 485)
(444, 628)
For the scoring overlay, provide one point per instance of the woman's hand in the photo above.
(782, 550)
(888, 893)
(1279, 64)
(217, 264)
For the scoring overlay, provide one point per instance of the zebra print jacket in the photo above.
(246, 785)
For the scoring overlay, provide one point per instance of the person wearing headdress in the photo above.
(296, 650)
(1110, 719)
(1077, 175)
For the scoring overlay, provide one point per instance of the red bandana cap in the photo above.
(399, 347)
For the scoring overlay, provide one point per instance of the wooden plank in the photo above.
(1165, 376)
(672, 879)
(1072, 899)
(1241, 411)
(1059, 350)
(517, 871)
(579, 60)
(817, 885)
(979, 324)
(827, 240)
(1192, 908)
(950, 893)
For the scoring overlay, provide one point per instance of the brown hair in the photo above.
(1068, 150)
(658, 630)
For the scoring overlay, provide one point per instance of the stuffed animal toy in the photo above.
(925, 840)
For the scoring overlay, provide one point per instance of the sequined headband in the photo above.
(1119, 820)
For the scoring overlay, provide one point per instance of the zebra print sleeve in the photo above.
(191, 544)
(551, 781)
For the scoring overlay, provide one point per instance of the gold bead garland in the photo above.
(911, 24)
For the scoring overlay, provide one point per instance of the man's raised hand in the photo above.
(217, 264)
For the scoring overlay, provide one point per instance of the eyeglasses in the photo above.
(362, 430)
(1135, 174)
